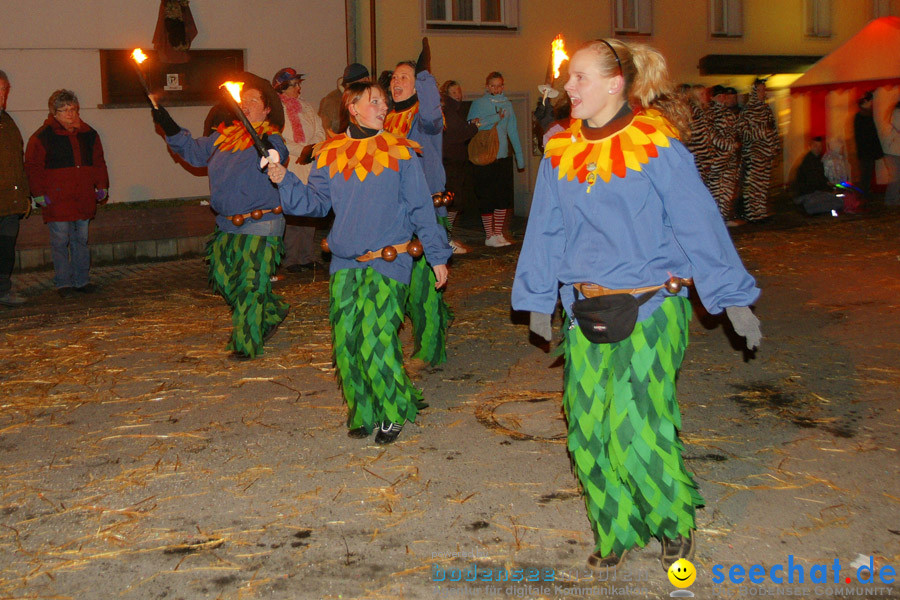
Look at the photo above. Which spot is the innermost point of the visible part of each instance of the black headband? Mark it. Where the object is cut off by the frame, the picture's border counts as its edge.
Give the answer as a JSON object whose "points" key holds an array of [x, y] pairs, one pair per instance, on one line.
{"points": [[614, 53]]}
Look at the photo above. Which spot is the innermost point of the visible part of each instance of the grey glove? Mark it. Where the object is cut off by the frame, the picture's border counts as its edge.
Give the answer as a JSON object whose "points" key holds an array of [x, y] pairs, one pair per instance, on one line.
{"points": [[745, 324], [539, 323]]}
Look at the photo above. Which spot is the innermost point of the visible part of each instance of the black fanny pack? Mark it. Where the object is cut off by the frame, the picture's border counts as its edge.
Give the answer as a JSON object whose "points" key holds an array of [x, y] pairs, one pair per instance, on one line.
{"points": [[610, 318]]}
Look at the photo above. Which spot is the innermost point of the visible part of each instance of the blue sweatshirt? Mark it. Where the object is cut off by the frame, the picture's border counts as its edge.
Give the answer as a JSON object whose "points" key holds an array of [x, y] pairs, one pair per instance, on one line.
{"points": [[236, 183], [427, 130], [629, 232], [370, 213], [488, 108]]}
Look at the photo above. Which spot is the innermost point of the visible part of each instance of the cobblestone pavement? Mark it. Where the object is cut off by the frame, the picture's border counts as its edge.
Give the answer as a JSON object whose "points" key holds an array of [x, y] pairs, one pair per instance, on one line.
{"points": [[136, 461]]}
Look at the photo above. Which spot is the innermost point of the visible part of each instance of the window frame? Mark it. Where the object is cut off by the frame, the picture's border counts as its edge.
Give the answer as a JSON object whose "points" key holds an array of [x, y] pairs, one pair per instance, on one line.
{"points": [[733, 18], [813, 18], [643, 18], [509, 18]]}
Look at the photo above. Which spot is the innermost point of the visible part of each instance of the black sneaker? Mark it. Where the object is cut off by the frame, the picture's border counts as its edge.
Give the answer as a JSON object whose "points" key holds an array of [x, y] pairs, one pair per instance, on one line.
{"points": [[387, 433], [358, 433], [65, 292], [88, 288]]}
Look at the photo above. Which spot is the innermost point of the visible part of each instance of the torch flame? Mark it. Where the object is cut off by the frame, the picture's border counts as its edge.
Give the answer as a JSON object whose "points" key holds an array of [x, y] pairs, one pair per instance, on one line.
{"points": [[234, 88], [138, 56], [559, 54]]}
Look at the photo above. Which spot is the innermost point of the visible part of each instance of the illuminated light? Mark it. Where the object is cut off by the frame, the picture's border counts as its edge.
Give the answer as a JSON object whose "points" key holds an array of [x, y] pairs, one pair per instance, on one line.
{"points": [[234, 88], [558, 46], [834, 213], [839, 195], [138, 56]]}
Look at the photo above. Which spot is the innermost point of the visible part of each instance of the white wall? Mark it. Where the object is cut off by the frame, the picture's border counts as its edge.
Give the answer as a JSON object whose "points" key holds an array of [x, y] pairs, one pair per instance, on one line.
{"points": [[50, 44]]}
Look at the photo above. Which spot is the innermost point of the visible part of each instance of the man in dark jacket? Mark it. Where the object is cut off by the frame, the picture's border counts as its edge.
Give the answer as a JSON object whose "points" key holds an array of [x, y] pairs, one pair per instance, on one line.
{"points": [[868, 146], [67, 174], [813, 190], [14, 200]]}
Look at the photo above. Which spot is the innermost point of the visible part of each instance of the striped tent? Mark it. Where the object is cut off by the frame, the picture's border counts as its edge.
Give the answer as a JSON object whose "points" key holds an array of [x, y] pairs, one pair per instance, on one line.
{"points": [[823, 101]]}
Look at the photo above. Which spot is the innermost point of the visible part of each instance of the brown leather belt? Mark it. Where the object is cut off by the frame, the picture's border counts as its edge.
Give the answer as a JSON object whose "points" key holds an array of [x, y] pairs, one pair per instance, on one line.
{"points": [[673, 286], [380, 253], [257, 214]]}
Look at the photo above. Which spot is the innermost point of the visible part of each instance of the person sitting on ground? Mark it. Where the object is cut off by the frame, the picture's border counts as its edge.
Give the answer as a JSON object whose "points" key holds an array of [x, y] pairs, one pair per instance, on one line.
{"points": [[813, 190]]}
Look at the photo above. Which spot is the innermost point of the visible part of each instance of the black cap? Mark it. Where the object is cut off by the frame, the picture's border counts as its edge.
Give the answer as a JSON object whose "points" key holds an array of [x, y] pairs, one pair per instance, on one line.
{"points": [[354, 72], [718, 89]]}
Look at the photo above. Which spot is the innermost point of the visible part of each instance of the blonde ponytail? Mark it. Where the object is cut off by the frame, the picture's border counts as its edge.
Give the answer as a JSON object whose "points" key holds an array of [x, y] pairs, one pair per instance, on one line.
{"points": [[651, 88], [646, 77]]}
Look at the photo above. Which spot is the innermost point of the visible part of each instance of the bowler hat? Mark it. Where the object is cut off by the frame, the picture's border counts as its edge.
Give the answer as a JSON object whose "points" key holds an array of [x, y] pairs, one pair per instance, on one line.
{"points": [[354, 72]]}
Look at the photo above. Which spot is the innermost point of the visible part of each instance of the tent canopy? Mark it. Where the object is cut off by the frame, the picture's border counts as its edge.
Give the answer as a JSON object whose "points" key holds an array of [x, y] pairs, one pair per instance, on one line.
{"points": [[872, 55]]}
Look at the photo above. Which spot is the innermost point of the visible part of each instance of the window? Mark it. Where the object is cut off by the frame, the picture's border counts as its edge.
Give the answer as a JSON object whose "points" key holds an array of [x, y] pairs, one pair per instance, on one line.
{"points": [[492, 15], [881, 8], [818, 18], [633, 17], [726, 18]]}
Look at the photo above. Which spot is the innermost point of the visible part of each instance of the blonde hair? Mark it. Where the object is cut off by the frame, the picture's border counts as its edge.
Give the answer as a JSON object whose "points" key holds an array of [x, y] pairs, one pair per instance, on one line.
{"points": [[646, 76]]}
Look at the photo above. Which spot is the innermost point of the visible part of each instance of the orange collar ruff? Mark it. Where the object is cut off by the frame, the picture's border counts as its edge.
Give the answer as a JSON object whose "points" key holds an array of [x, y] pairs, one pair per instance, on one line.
{"points": [[631, 146], [399, 123], [235, 138], [346, 155]]}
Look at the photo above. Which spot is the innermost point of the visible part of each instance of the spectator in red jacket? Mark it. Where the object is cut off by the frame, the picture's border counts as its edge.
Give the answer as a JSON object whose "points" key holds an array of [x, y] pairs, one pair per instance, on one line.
{"points": [[68, 178]]}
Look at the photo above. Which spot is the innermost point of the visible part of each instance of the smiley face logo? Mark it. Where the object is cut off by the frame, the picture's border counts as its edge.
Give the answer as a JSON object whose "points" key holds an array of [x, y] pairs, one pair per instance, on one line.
{"points": [[682, 573]]}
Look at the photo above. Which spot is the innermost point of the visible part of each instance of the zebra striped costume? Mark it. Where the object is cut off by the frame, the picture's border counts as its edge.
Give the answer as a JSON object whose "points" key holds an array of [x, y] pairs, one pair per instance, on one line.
{"points": [[725, 162], [760, 144], [699, 142]]}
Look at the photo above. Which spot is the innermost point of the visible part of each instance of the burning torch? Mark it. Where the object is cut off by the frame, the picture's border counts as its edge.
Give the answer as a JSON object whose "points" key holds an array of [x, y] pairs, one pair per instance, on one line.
{"points": [[233, 95], [557, 56], [139, 57]]}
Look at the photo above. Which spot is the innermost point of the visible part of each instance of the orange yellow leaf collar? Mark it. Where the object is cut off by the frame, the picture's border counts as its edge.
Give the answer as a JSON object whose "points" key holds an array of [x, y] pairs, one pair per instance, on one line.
{"points": [[234, 137], [577, 157], [347, 156]]}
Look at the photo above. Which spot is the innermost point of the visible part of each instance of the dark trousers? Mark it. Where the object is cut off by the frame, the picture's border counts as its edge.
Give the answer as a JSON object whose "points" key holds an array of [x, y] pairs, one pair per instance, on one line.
{"points": [[866, 175], [459, 181], [494, 185], [9, 230]]}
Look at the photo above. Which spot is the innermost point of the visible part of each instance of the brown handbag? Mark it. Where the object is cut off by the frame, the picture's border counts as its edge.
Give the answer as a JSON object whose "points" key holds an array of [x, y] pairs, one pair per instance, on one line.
{"points": [[483, 148]]}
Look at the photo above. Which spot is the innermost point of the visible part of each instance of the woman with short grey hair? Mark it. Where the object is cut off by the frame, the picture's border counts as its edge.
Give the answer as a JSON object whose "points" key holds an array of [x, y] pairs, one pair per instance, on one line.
{"points": [[67, 173]]}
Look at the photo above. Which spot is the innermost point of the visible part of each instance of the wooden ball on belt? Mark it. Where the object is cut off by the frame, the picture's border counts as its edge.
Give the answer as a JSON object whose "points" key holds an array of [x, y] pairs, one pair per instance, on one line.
{"points": [[324, 245], [237, 220], [389, 253], [437, 200], [256, 214], [277, 210], [447, 199], [673, 285], [415, 248]]}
